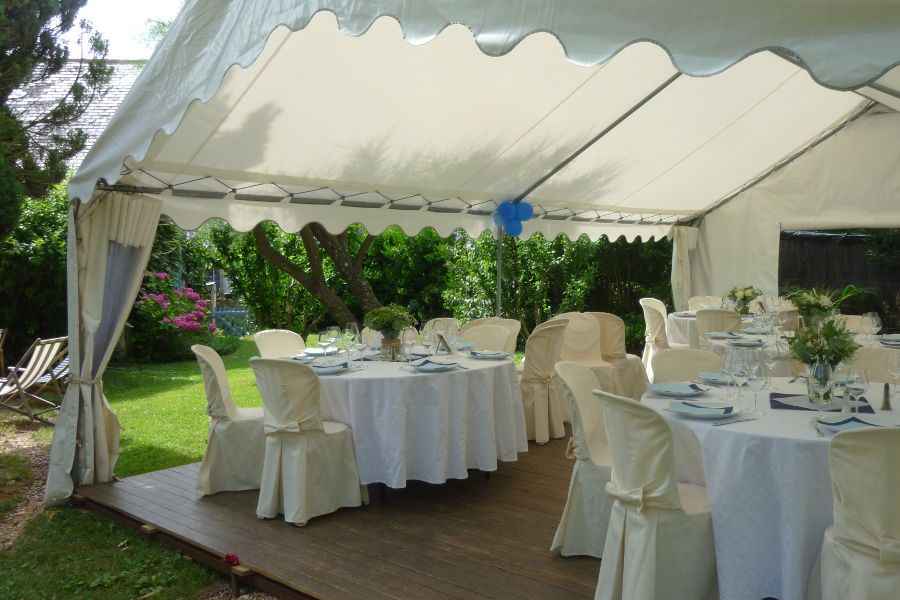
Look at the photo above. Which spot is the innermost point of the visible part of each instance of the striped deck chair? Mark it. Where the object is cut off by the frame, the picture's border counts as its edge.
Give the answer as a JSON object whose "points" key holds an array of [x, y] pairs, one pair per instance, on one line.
{"points": [[56, 378], [37, 362]]}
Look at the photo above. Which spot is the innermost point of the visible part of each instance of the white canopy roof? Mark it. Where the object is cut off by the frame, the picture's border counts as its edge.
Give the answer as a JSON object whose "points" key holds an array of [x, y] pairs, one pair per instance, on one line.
{"points": [[351, 116]]}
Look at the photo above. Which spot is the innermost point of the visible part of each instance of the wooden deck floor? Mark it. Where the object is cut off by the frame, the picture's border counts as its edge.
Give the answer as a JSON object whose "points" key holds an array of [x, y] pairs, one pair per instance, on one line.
{"points": [[473, 538]]}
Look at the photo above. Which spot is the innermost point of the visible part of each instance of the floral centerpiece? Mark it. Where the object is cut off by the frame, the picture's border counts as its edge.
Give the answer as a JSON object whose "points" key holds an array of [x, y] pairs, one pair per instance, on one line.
{"points": [[742, 297], [389, 321], [815, 306], [826, 340]]}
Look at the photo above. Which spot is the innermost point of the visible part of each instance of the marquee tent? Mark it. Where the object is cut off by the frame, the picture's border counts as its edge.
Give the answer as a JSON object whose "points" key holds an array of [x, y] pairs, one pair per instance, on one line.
{"points": [[613, 118]]}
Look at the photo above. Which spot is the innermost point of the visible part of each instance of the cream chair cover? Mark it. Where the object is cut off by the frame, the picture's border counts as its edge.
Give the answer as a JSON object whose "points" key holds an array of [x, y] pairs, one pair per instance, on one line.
{"points": [[439, 324], [582, 528], [852, 322], [370, 337], [487, 337], [656, 336], [683, 364], [278, 343], [716, 320], [542, 396], [697, 302], [659, 545], [873, 360], [310, 468], [236, 442], [631, 376], [581, 344], [512, 327], [861, 552]]}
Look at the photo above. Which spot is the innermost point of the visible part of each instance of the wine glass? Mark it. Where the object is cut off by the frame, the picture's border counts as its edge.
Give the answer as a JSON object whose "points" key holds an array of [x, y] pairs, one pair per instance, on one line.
{"points": [[875, 318], [429, 339], [856, 386], [893, 368], [409, 336], [769, 357], [821, 380], [736, 369], [322, 342], [353, 328], [755, 381]]}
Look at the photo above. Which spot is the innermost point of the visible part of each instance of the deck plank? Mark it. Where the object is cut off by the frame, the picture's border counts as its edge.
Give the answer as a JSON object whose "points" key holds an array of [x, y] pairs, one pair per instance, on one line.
{"points": [[468, 539]]}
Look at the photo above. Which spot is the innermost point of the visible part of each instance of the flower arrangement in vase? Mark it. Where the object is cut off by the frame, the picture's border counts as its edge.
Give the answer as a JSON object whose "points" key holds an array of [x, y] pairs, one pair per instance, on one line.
{"points": [[389, 321], [826, 340], [742, 297], [814, 306]]}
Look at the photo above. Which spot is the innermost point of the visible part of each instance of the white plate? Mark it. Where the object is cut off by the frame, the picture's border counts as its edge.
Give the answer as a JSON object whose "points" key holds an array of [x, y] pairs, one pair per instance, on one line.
{"points": [[330, 370], [314, 351], [893, 338], [746, 343], [489, 355], [303, 358], [707, 410], [833, 425], [723, 335], [676, 390], [714, 377], [430, 365]]}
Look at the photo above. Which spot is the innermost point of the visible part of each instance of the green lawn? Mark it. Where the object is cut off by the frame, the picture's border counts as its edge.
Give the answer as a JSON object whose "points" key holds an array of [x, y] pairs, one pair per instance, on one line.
{"points": [[71, 553]]}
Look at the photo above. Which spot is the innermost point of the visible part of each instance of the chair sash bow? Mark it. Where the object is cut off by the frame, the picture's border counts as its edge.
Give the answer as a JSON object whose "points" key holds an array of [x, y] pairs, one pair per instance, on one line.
{"points": [[633, 497]]}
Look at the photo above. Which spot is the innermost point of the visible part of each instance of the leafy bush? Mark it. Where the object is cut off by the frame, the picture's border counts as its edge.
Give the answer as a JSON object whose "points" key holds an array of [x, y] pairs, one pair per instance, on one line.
{"points": [[166, 321], [389, 320]]}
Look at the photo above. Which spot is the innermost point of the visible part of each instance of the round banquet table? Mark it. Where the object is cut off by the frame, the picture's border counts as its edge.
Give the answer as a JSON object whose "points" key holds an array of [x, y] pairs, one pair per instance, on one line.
{"points": [[428, 426], [770, 491]]}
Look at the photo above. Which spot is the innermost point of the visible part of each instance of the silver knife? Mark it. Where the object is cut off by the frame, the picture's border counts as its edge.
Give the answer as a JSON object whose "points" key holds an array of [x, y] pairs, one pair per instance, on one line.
{"points": [[730, 421]]}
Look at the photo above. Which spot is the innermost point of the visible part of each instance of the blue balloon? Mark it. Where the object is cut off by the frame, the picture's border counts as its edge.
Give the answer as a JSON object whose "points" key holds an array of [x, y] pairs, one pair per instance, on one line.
{"points": [[506, 210], [498, 219], [524, 211], [513, 227]]}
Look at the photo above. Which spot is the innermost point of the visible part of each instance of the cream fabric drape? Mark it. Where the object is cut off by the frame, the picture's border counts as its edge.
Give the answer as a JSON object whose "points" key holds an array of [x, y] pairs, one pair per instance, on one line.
{"points": [[512, 329], [278, 343], [109, 242], [487, 337], [659, 545], [712, 320], [581, 344], [683, 364], [861, 553], [310, 467], [684, 239], [585, 518], [631, 376], [235, 440], [541, 395]]}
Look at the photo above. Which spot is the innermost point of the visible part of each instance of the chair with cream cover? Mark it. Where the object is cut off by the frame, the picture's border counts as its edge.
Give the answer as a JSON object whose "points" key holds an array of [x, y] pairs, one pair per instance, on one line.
{"points": [[581, 344], [487, 337], [656, 336], [278, 343], [542, 398], [370, 337], [235, 441], [789, 319], [861, 552], [873, 361], [852, 322], [631, 376], [310, 468], [659, 545], [700, 302], [683, 364], [512, 328], [440, 324], [582, 528], [716, 320]]}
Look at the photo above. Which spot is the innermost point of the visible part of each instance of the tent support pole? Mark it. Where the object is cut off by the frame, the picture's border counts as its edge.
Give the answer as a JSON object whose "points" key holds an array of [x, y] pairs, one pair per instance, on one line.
{"points": [[598, 137], [500, 235]]}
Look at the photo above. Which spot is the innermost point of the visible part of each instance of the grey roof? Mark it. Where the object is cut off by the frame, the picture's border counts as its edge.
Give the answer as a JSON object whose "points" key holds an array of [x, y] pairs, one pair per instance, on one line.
{"points": [[35, 99]]}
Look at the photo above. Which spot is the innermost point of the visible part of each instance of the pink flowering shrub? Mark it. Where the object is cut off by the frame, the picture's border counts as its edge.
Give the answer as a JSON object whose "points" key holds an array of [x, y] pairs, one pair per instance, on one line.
{"points": [[166, 321]]}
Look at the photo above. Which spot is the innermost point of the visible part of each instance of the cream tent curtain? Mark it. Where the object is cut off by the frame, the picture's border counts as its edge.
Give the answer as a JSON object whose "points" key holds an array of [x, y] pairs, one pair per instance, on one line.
{"points": [[109, 244], [684, 240]]}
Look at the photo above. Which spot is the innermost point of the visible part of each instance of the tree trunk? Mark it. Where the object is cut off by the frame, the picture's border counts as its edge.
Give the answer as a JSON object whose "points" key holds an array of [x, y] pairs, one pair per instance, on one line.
{"points": [[349, 266], [314, 280]]}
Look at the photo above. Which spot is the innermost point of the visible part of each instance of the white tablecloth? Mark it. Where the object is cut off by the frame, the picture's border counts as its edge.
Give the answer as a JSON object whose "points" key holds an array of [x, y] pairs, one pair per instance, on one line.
{"points": [[770, 490], [428, 427], [683, 330]]}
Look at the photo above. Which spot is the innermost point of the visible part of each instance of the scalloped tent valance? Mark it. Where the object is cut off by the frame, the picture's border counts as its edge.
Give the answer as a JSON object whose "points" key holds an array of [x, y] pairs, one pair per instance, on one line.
{"points": [[428, 112]]}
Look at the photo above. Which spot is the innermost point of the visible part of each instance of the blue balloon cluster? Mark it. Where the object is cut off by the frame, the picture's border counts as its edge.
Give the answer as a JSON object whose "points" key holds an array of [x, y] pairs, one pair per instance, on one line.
{"points": [[510, 216]]}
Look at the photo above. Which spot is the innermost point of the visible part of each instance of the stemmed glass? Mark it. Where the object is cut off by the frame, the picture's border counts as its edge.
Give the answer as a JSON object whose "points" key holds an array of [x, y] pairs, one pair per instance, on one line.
{"points": [[821, 380], [856, 386], [322, 342], [429, 340], [736, 368], [893, 368], [333, 336], [409, 337], [875, 318], [769, 358], [755, 381]]}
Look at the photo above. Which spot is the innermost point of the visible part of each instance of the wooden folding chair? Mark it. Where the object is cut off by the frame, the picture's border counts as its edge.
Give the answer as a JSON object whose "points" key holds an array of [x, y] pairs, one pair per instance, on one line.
{"points": [[56, 378], [36, 363]]}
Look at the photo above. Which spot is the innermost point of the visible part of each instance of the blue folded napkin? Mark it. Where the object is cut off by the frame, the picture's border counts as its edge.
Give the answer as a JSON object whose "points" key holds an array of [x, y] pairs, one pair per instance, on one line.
{"points": [[776, 404], [320, 367], [724, 410], [489, 354], [832, 427]]}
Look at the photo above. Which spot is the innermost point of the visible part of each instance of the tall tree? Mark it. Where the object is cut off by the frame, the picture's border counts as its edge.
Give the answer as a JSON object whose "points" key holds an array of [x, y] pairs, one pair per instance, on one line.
{"points": [[38, 137]]}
